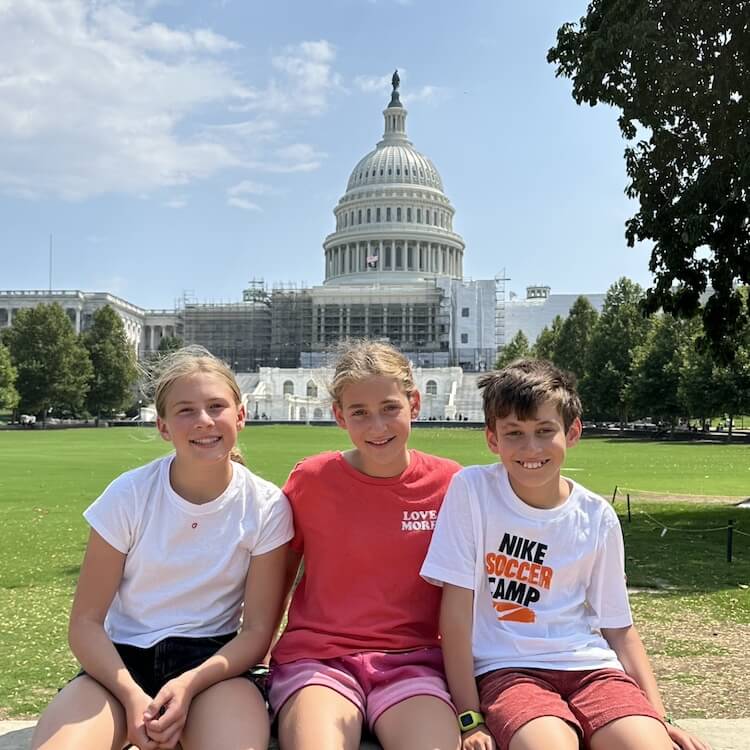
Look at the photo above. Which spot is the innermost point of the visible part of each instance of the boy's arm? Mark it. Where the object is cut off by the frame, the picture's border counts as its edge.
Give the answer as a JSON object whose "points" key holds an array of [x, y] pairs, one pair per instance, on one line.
{"points": [[628, 646], [456, 616]]}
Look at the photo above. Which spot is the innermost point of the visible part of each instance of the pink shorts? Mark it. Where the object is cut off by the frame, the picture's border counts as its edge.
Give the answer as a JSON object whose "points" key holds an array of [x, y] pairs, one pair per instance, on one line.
{"points": [[586, 699], [373, 681]]}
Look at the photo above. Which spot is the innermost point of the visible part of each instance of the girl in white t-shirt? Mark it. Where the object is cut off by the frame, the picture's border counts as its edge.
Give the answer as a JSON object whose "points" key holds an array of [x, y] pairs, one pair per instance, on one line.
{"points": [[181, 552]]}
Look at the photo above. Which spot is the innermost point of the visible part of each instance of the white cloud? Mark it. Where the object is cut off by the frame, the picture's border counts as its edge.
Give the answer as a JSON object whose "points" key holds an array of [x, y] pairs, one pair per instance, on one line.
{"points": [[371, 84], [308, 79], [298, 157], [176, 203], [96, 98], [246, 205], [248, 187]]}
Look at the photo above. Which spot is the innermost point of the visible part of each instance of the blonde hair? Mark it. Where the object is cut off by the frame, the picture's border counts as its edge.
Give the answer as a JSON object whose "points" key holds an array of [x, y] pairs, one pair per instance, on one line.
{"points": [[362, 359], [184, 362]]}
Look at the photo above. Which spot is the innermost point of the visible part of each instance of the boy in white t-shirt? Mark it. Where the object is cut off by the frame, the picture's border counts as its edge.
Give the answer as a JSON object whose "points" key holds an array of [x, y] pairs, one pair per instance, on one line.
{"points": [[538, 640]]}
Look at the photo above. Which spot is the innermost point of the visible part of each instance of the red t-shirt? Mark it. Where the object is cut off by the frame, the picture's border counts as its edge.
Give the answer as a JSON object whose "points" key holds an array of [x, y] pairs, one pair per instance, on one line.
{"points": [[363, 540]]}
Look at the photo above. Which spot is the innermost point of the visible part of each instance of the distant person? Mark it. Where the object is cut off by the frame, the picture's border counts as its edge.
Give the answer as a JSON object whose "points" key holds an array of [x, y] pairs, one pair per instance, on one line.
{"points": [[175, 548], [361, 644], [532, 570]]}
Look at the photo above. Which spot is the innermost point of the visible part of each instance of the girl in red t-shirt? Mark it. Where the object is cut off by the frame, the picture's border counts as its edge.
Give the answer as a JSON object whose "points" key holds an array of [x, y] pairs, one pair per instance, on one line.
{"points": [[361, 643]]}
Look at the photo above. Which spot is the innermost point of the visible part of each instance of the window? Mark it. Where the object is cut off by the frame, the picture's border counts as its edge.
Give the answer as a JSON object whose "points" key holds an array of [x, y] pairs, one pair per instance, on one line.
{"points": [[345, 218], [398, 214], [368, 215], [312, 389], [427, 216], [288, 388], [408, 214], [359, 216], [464, 312], [464, 338], [419, 216], [377, 214], [381, 171], [399, 257], [388, 256], [388, 214], [430, 388], [389, 170], [398, 170]]}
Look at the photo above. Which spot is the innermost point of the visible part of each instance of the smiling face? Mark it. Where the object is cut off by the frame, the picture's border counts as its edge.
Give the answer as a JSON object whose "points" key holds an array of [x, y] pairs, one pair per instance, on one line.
{"points": [[532, 451], [377, 414], [201, 418]]}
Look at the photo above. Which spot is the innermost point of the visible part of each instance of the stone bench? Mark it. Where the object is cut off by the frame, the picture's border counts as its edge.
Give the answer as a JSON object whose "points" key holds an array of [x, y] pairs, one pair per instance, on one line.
{"points": [[16, 735]]}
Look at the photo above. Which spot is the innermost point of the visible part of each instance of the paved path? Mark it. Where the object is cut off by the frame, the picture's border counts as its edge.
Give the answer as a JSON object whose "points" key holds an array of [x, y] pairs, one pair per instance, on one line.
{"points": [[723, 734]]}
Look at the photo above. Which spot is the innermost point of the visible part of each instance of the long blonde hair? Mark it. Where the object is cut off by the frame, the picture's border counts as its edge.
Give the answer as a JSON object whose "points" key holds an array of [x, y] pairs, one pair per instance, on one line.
{"points": [[361, 359], [190, 360]]}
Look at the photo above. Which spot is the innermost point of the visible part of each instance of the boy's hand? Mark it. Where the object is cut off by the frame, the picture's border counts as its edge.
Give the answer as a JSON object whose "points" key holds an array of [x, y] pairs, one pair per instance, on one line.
{"points": [[166, 715], [478, 739], [685, 741]]}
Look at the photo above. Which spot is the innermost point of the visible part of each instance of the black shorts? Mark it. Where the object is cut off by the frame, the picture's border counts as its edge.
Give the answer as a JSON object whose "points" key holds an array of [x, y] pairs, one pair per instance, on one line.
{"points": [[153, 667]]}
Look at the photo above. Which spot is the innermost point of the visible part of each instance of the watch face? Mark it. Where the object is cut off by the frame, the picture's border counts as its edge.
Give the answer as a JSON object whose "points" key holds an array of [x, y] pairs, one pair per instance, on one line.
{"points": [[466, 720]]}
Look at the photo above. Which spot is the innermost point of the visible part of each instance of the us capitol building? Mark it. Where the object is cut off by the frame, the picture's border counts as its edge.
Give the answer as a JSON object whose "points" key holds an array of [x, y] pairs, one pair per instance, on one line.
{"points": [[393, 271]]}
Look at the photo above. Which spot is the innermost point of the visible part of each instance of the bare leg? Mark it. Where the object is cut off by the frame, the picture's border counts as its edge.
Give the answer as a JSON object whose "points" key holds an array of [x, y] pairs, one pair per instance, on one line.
{"points": [[546, 731], [422, 722], [318, 718], [83, 716], [632, 733], [230, 715]]}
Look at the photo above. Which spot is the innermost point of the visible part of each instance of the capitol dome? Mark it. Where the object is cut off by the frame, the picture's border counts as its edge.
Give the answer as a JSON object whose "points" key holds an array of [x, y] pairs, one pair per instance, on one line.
{"points": [[394, 223]]}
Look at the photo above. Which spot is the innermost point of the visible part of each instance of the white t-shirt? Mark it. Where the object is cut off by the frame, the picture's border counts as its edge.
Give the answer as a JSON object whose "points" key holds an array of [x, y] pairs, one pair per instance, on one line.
{"points": [[544, 581], [186, 564]]}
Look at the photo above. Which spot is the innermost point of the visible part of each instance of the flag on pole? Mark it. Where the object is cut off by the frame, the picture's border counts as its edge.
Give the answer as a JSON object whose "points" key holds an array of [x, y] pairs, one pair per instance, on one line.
{"points": [[372, 261]]}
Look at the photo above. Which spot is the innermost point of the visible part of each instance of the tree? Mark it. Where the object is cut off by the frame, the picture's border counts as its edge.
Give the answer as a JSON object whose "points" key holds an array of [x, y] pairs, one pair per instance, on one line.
{"points": [[619, 329], [170, 344], [8, 374], [516, 348], [654, 387], [113, 361], [679, 73], [574, 337], [53, 366], [544, 346]]}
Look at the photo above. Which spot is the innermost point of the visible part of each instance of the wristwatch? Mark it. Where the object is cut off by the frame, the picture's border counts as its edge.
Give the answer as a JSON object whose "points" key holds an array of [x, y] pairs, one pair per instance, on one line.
{"points": [[468, 720]]}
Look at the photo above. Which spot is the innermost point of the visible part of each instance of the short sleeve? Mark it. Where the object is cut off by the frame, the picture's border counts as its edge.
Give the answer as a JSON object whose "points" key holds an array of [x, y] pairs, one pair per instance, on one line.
{"points": [[111, 515], [451, 557], [607, 594], [276, 523], [291, 490]]}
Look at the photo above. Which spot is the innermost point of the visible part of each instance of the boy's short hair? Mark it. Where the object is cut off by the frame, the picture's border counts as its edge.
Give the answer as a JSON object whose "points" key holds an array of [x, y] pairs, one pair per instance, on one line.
{"points": [[523, 386]]}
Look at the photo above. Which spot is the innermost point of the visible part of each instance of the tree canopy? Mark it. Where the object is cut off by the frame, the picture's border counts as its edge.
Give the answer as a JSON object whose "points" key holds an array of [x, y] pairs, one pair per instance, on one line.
{"points": [[679, 72], [53, 366], [8, 374], [516, 348], [113, 362]]}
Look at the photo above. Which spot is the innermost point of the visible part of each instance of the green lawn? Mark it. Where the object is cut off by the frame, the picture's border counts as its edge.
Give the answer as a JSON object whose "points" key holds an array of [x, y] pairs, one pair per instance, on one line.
{"points": [[48, 478]]}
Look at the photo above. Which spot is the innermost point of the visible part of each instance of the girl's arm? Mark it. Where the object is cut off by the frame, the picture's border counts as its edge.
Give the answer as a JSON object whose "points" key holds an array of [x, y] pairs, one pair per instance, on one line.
{"points": [[456, 617], [101, 573], [628, 646], [264, 596]]}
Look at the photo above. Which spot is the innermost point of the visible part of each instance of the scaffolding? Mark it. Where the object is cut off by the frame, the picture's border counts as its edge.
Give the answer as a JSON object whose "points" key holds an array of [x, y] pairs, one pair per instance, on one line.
{"points": [[500, 279]]}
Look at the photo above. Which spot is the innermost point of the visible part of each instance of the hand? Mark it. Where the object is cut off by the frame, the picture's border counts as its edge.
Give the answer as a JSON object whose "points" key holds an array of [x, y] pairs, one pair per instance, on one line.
{"points": [[134, 708], [682, 739], [166, 714], [478, 739]]}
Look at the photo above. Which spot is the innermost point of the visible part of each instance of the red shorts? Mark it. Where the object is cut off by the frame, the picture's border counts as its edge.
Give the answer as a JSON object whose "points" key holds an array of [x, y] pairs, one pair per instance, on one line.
{"points": [[585, 699]]}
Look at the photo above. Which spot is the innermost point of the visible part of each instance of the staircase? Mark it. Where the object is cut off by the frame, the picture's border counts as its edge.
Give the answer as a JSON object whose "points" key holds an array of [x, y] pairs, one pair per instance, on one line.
{"points": [[468, 399]]}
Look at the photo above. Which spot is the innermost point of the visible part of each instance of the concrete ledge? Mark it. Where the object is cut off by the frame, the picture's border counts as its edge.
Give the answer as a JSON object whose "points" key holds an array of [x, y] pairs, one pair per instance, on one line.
{"points": [[722, 734], [16, 735]]}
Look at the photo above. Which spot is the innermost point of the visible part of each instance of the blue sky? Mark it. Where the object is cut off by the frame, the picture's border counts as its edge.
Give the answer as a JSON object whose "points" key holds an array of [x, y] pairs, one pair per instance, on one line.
{"points": [[174, 147]]}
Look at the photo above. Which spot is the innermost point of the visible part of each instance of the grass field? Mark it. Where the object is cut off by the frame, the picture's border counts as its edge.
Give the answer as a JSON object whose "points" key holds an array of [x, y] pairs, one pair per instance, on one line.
{"points": [[48, 478]]}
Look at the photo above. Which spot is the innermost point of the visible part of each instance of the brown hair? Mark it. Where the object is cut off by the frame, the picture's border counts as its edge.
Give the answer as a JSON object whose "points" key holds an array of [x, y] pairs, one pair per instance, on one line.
{"points": [[523, 386], [190, 360], [362, 359]]}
